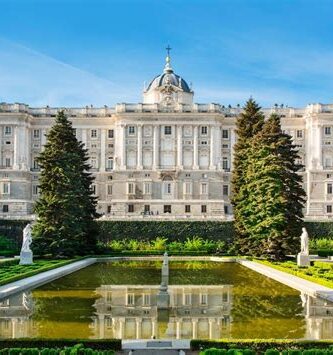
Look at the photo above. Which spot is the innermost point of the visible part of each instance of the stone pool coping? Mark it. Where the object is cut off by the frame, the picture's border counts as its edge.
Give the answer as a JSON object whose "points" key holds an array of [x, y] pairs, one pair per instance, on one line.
{"points": [[311, 288]]}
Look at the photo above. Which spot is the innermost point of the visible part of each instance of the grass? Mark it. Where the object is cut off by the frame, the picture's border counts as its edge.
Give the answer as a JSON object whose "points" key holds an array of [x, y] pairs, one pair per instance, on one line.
{"points": [[320, 272], [11, 271]]}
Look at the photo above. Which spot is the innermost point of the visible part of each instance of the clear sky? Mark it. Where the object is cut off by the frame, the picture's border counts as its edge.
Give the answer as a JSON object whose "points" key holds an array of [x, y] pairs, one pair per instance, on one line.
{"points": [[80, 52]]}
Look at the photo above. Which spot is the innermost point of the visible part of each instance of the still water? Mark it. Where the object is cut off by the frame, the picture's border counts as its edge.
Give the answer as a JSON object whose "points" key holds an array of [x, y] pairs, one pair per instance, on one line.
{"points": [[206, 300]]}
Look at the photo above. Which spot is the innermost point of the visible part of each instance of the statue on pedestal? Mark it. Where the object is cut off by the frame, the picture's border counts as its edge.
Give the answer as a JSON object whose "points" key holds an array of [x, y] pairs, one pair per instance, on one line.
{"points": [[26, 253], [303, 258]]}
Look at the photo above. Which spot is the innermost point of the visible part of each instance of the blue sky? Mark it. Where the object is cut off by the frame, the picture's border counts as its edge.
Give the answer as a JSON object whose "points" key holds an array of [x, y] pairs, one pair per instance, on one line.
{"points": [[79, 52]]}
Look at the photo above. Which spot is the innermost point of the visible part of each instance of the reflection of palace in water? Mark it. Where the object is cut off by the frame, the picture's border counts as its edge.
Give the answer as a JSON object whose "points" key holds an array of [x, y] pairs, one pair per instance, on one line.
{"points": [[15, 316], [132, 312]]}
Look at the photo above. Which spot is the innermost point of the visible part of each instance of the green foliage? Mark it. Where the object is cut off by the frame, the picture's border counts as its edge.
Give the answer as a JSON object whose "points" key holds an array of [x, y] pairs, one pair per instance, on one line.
{"points": [[321, 243], [66, 207], [11, 271], [319, 272], [272, 194], [248, 123], [161, 244], [75, 350]]}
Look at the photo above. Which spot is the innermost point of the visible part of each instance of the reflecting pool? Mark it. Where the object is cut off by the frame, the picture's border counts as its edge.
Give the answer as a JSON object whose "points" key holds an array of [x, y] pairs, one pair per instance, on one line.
{"points": [[124, 299]]}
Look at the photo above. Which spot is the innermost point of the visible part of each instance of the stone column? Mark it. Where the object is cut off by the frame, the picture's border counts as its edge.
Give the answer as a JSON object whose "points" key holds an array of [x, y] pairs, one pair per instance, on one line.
{"points": [[139, 148], [121, 327], [212, 148], [123, 147], [103, 142], [210, 328], [138, 328], [153, 328], [84, 137], [43, 137], [194, 328], [156, 144], [178, 329], [101, 323], [16, 148], [195, 148], [180, 147], [232, 143]]}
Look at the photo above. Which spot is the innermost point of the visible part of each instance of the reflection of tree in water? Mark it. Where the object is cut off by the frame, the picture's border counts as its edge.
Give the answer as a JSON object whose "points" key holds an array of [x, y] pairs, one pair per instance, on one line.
{"points": [[266, 307]]}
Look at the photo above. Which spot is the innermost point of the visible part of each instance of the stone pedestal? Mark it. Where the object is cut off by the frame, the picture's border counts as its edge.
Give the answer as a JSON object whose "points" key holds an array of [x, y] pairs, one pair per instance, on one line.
{"points": [[163, 297], [26, 258], [303, 259]]}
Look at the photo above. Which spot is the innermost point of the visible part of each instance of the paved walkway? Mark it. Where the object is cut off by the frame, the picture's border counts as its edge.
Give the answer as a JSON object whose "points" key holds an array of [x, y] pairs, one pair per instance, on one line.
{"points": [[44, 277], [310, 288]]}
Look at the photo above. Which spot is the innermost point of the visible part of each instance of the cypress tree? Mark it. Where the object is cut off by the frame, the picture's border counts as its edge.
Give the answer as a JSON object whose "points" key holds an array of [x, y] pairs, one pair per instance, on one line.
{"points": [[275, 197], [248, 123], [66, 207]]}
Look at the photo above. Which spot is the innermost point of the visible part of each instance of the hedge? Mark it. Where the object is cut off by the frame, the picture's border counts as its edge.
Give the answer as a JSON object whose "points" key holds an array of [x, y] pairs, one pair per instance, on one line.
{"points": [[172, 230], [96, 344], [315, 351], [261, 345]]}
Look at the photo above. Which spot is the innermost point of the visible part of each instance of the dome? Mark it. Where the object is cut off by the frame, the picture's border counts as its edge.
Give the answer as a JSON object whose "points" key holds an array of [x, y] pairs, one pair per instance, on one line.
{"points": [[168, 77]]}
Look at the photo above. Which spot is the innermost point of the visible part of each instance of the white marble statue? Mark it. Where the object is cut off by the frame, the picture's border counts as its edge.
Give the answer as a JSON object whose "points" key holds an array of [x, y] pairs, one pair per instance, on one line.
{"points": [[304, 242], [27, 238]]}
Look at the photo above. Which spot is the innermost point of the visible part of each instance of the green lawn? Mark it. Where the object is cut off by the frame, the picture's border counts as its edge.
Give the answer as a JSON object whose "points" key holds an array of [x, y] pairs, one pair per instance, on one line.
{"points": [[11, 271], [320, 272]]}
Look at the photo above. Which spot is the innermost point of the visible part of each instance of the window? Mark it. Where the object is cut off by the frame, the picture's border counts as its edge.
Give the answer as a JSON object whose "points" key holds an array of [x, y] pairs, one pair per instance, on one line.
{"points": [[109, 190], [35, 190], [93, 133], [74, 131], [146, 299], [167, 188], [167, 208], [130, 208], [299, 133], [225, 163], [8, 131], [147, 187], [36, 133], [225, 146], [110, 133], [328, 131], [109, 209], [93, 163], [226, 209], [130, 299], [330, 188], [93, 189], [167, 130], [225, 133], [225, 297], [225, 190], [5, 208], [6, 188], [204, 130], [203, 209], [131, 130], [8, 162], [35, 164], [328, 162], [329, 208], [204, 142], [130, 188], [204, 188], [188, 188], [109, 163], [187, 299], [147, 208], [204, 298], [187, 208]]}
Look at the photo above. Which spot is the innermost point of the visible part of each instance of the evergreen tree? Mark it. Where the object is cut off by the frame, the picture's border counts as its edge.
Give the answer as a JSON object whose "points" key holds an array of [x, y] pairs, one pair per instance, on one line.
{"points": [[273, 208], [248, 123], [66, 208]]}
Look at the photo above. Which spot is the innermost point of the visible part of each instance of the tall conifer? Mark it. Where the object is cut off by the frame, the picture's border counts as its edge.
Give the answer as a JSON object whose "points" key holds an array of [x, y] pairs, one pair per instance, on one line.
{"points": [[66, 208], [248, 123], [275, 197]]}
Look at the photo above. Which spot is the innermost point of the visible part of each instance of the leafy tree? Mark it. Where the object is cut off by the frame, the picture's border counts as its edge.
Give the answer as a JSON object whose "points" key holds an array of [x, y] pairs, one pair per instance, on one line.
{"points": [[66, 208], [248, 123], [272, 209]]}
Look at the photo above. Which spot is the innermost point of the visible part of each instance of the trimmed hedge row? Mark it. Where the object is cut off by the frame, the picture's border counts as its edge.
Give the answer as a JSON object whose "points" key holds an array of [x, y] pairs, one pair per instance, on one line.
{"points": [[98, 344], [261, 345], [172, 230], [215, 351]]}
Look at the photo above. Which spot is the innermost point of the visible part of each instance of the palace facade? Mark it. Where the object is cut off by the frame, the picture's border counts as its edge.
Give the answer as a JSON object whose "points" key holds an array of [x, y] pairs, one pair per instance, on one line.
{"points": [[165, 158]]}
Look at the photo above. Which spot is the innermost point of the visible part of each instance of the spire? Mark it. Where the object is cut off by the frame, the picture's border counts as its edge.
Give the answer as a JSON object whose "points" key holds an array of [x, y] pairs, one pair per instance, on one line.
{"points": [[167, 67]]}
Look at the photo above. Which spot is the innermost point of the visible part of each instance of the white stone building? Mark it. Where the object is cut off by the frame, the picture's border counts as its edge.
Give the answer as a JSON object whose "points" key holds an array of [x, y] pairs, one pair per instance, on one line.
{"points": [[164, 158]]}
